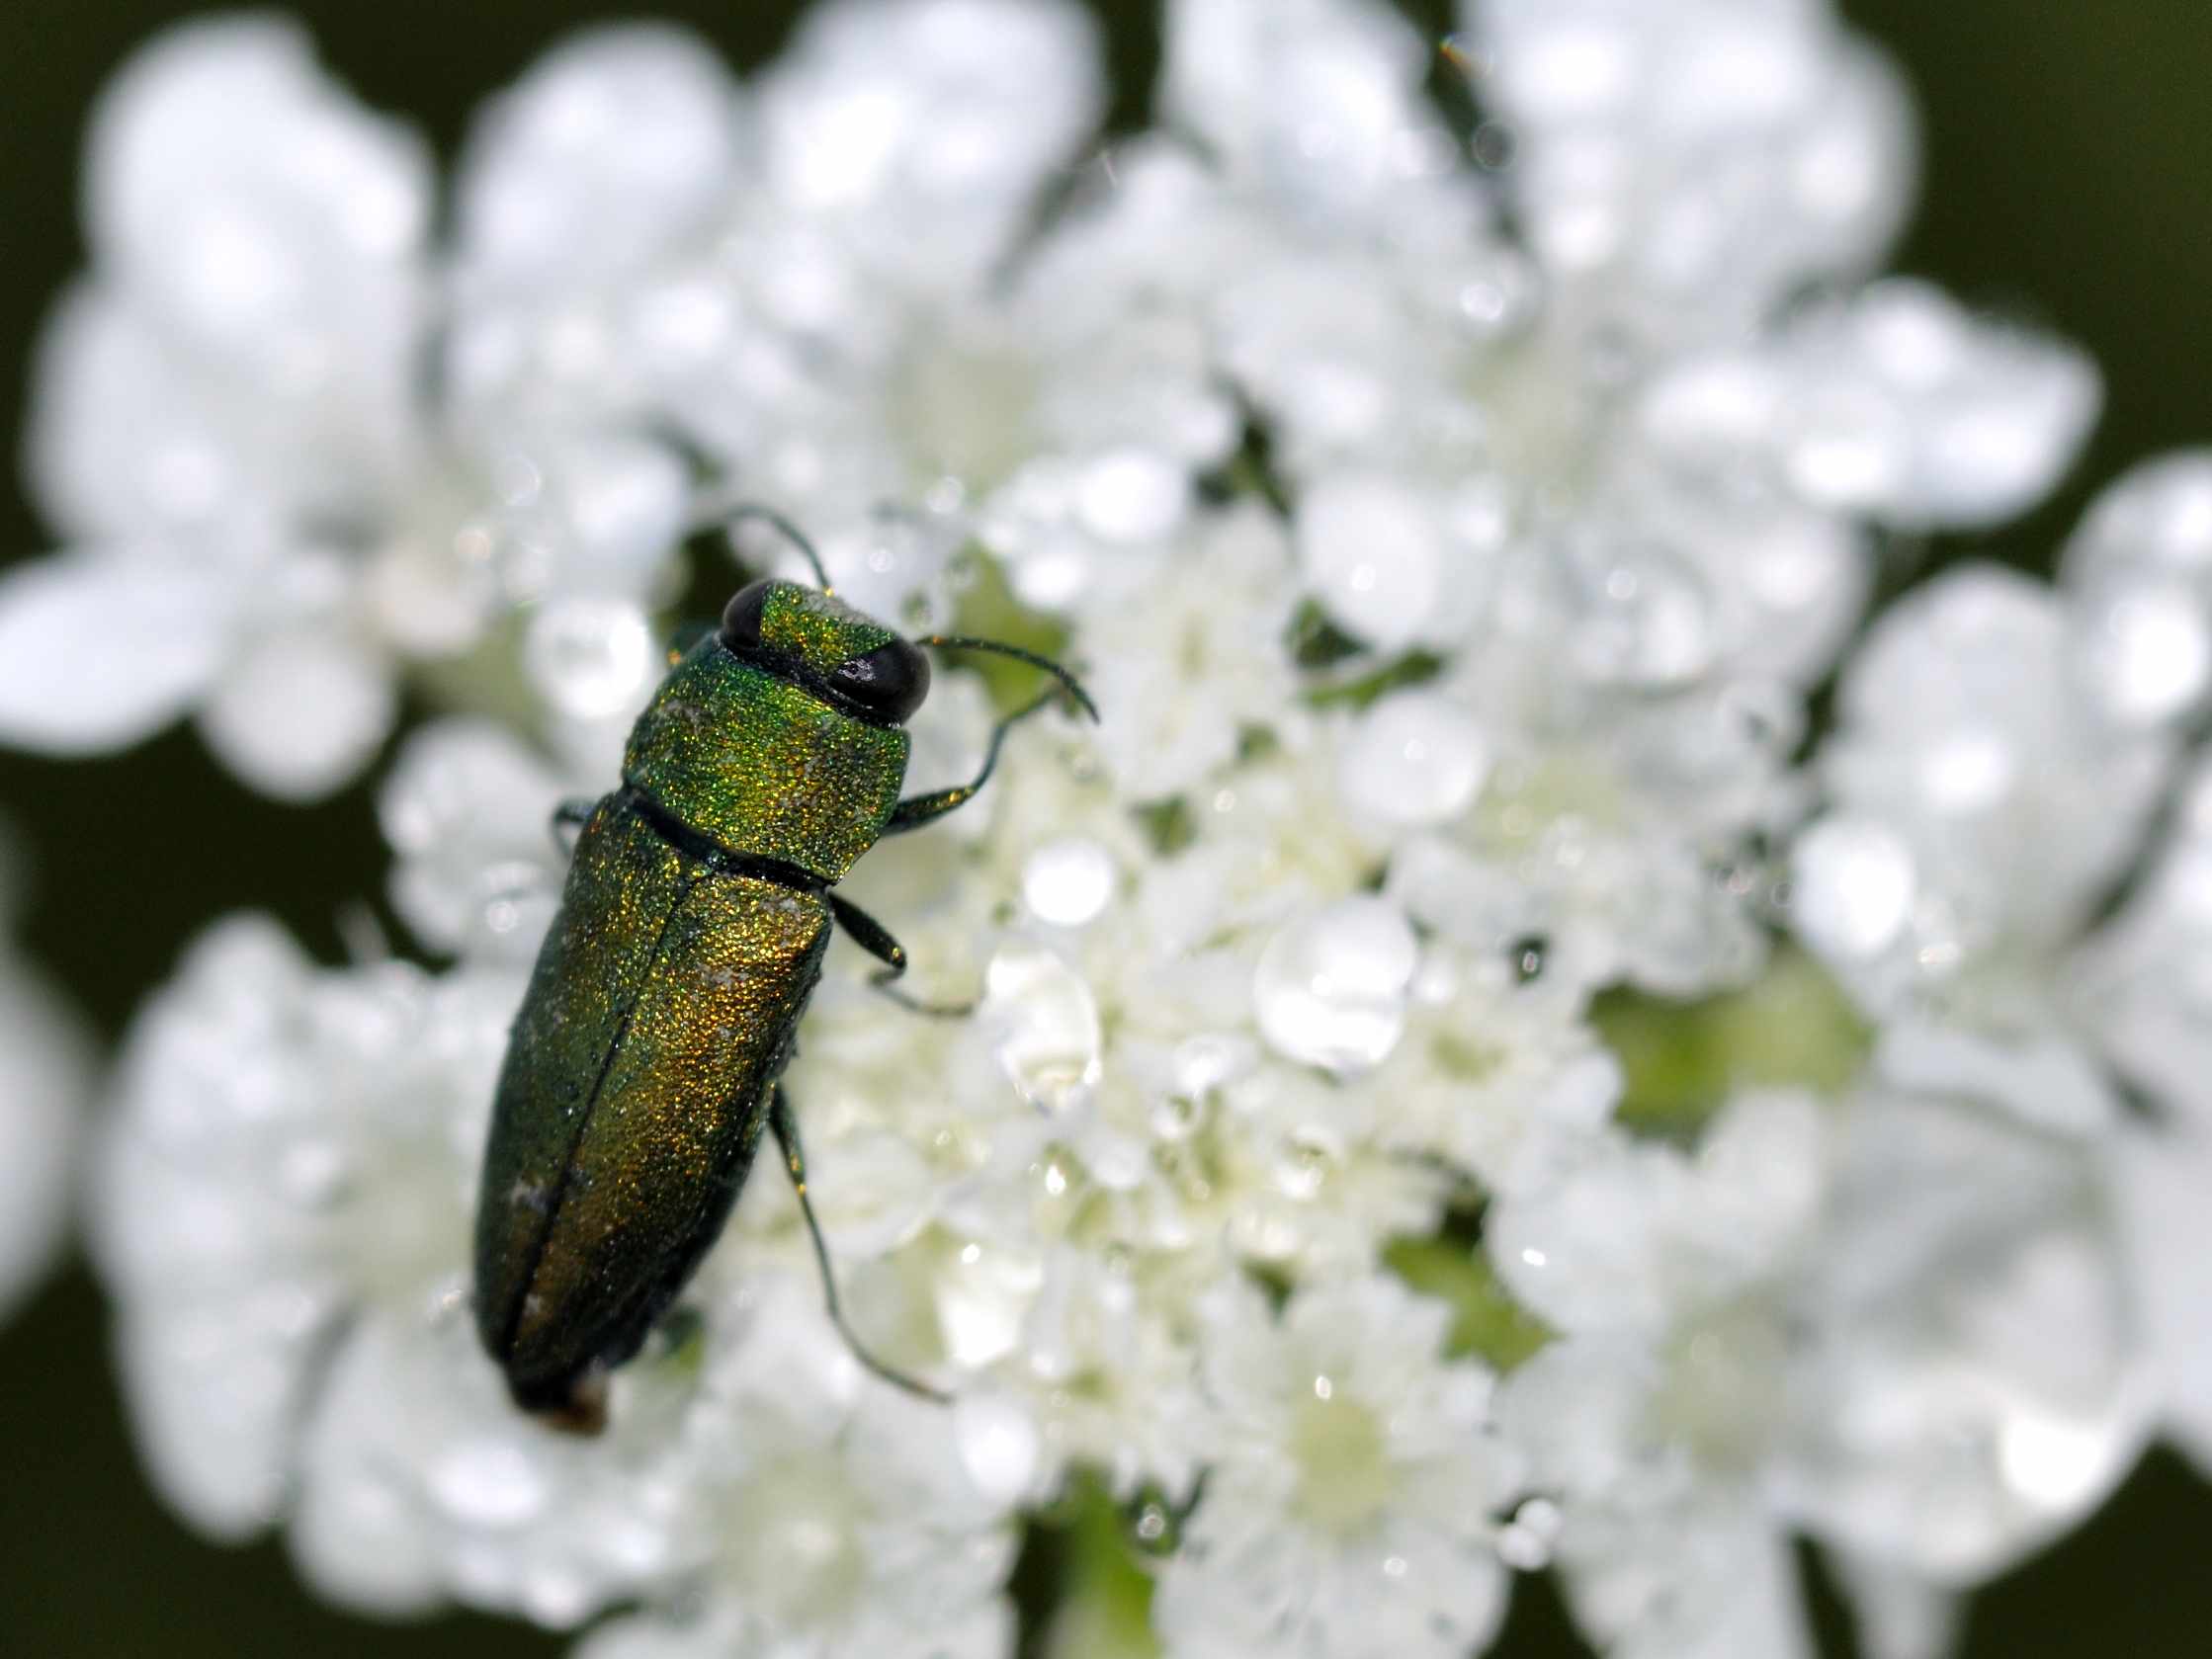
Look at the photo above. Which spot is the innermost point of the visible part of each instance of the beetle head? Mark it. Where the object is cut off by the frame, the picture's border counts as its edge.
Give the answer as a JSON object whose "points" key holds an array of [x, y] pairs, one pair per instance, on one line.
{"points": [[803, 634]]}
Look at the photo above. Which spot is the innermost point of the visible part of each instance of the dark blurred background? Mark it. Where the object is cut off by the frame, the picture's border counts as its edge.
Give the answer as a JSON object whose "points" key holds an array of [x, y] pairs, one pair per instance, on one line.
{"points": [[2068, 162]]}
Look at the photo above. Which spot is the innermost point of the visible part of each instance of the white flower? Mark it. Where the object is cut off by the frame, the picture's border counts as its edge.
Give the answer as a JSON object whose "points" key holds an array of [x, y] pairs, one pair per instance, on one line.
{"points": [[233, 426], [215, 406], [1348, 1507], [290, 1168], [1979, 804], [1691, 162], [1851, 1325], [1192, 656], [812, 286], [1971, 1377], [1496, 1071], [826, 1514]]}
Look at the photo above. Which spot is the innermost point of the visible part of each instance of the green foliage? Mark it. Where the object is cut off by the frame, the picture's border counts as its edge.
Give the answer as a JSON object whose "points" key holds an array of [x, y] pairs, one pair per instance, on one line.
{"points": [[1682, 1060], [1105, 1606], [1487, 1322]]}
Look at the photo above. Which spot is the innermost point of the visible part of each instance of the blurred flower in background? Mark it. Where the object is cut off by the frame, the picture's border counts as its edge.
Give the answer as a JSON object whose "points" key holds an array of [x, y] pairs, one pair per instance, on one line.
{"points": [[1477, 1067], [46, 1085]]}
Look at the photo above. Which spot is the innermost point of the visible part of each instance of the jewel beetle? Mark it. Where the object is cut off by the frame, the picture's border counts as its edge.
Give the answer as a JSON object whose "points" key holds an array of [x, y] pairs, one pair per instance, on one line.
{"points": [[645, 1062]]}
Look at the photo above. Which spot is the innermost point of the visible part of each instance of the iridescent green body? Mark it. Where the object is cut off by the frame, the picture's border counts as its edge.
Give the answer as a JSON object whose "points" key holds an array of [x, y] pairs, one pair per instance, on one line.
{"points": [[760, 766], [639, 1073]]}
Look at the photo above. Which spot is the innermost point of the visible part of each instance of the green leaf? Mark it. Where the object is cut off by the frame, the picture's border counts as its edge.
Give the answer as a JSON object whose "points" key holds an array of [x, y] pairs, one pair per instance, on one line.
{"points": [[1106, 1610], [1487, 1321], [1682, 1060]]}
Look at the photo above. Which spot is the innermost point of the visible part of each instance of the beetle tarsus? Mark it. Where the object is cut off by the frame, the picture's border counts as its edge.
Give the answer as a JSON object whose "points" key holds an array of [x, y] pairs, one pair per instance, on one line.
{"points": [[582, 1412], [786, 1125], [882, 982]]}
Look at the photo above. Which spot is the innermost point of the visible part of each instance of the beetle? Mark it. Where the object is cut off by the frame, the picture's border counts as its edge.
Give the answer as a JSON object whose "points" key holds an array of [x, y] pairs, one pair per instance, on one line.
{"points": [[647, 1059]]}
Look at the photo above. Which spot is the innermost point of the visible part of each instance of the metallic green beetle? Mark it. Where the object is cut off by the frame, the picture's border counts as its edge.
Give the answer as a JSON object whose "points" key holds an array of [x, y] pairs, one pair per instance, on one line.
{"points": [[644, 1062]]}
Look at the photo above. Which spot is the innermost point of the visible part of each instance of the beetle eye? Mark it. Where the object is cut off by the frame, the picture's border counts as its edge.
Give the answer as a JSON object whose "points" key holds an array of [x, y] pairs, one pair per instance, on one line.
{"points": [[889, 682], [740, 617]]}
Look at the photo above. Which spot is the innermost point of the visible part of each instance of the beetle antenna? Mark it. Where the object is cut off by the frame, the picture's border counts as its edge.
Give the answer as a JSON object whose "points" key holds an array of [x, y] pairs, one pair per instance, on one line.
{"points": [[961, 642], [783, 527]]}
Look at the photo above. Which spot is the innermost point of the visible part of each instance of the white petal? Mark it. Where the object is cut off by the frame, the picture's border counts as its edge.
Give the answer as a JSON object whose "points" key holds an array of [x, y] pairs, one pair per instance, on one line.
{"points": [[121, 442], [615, 145], [301, 714], [215, 1389], [1318, 99], [1906, 408], [923, 128], [97, 652], [1707, 157], [467, 809], [260, 208], [1899, 1614], [2141, 566], [2164, 1180]]}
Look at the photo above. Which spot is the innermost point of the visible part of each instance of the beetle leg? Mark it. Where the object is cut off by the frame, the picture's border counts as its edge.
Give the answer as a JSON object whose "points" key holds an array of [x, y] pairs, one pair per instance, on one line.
{"points": [[875, 938], [570, 815], [786, 1125], [917, 810]]}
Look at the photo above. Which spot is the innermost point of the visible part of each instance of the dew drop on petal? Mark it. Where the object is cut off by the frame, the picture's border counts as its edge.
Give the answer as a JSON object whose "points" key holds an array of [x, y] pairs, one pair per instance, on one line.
{"points": [[1046, 1023], [1330, 989], [591, 657], [1204, 1062], [1067, 881], [1852, 886], [1414, 758], [999, 1444], [2148, 657], [1132, 495], [1373, 555]]}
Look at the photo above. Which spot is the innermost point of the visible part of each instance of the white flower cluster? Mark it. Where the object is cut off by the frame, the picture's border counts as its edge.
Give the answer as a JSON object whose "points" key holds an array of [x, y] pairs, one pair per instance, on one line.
{"points": [[1453, 529]]}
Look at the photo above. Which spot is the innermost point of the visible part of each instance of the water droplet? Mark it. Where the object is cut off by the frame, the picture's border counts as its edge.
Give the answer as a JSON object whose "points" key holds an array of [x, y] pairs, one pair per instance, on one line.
{"points": [[2148, 657], [1046, 1022], [1067, 882], [1414, 758], [1374, 558], [1330, 989], [1204, 1062], [1303, 1166], [1132, 495], [999, 1444], [1853, 885], [1176, 1117]]}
